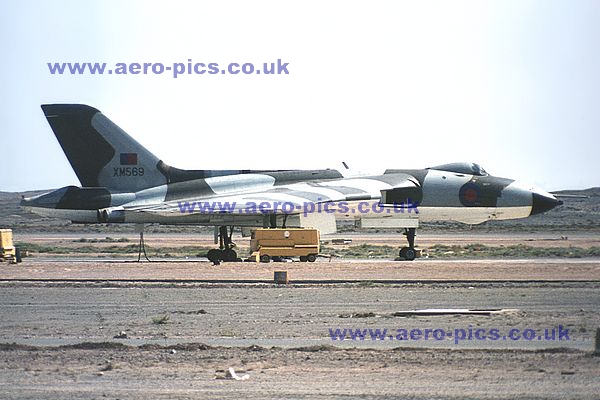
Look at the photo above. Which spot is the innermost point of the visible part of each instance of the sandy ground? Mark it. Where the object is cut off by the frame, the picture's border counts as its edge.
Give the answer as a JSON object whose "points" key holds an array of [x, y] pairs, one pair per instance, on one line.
{"points": [[424, 239], [190, 373], [290, 316], [57, 338], [334, 269], [323, 270], [279, 336]]}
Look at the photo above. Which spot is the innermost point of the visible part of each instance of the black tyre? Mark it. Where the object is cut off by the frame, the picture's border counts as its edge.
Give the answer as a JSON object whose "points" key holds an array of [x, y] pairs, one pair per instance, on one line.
{"points": [[402, 253], [265, 258], [214, 255], [303, 259], [407, 253], [311, 258], [229, 255], [18, 258]]}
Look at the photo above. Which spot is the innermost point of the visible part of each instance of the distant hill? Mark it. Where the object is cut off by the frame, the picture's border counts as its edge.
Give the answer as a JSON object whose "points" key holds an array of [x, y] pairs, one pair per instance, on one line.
{"points": [[576, 214], [595, 191]]}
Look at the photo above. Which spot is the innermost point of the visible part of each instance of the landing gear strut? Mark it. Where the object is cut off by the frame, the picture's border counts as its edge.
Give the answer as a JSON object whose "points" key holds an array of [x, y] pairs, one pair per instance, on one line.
{"points": [[409, 253], [225, 252]]}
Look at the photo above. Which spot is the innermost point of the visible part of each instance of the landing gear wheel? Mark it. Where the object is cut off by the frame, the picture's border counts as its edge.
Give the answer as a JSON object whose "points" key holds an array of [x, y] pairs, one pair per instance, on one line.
{"points": [[402, 253], [311, 258], [265, 258], [229, 255], [303, 259], [214, 255], [407, 253]]}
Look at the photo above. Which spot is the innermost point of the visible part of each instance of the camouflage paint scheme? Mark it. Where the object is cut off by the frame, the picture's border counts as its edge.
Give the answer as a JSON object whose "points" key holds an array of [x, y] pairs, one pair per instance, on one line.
{"points": [[121, 181]]}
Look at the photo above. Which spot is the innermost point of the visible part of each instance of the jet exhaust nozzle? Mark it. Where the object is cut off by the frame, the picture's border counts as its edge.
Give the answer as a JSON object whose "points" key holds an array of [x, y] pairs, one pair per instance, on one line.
{"points": [[111, 215]]}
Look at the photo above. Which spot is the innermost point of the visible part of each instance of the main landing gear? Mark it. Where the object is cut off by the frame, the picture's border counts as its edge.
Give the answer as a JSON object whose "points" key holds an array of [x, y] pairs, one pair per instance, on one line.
{"points": [[225, 252], [409, 253]]}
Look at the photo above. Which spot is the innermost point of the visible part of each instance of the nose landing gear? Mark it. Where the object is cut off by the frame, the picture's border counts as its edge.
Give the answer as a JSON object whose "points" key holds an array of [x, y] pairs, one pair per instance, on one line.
{"points": [[409, 253]]}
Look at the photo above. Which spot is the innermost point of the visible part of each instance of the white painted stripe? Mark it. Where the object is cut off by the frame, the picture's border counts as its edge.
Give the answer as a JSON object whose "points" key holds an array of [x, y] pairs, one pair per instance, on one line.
{"points": [[239, 183], [273, 197], [323, 192], [372, 186]]}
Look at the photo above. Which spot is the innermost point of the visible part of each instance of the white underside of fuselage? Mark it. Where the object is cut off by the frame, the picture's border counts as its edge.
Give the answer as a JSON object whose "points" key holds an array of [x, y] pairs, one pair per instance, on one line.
{"points": [[467, 215], [86, 216], [472, 215]]}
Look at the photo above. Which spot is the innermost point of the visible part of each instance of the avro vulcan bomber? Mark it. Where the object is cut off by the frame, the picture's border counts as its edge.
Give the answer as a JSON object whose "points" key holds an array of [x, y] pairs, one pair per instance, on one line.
{"points": [[123, 182]]}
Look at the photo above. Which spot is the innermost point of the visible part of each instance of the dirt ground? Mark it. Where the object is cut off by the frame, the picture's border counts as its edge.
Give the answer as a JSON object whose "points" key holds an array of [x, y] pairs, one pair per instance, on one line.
{"points": [[186, 322], [346, 270], [91, 266], [187, 372], [180, 339], [424, 239]]}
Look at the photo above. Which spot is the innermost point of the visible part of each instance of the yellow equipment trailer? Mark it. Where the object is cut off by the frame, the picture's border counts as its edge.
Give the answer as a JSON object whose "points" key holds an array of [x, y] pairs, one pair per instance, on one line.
{"points": [[8, 251], [285, 242]]}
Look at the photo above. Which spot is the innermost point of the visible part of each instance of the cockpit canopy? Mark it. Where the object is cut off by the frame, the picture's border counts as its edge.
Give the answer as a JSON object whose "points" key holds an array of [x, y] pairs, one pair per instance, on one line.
{"points": [[462, 168]]}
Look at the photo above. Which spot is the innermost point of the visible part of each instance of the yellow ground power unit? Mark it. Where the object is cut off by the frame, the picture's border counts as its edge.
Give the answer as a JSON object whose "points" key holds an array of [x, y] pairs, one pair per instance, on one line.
{"points": [[266, 243], [8, 252]]}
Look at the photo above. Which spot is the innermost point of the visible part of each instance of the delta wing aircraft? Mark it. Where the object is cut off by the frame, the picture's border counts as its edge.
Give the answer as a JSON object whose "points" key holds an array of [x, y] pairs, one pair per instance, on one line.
{"points": [[122, 182]]}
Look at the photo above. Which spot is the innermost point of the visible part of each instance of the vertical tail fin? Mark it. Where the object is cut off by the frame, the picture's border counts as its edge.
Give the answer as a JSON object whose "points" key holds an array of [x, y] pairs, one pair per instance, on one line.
{"points": [[101, 153]]}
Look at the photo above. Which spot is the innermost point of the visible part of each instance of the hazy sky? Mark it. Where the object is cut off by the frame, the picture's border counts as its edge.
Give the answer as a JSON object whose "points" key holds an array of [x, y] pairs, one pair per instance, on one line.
{"points": [[512, 85]]}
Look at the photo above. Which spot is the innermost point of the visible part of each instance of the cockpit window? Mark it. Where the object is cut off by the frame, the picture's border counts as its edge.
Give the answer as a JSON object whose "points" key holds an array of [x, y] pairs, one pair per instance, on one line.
{"points": [[478, 170], [462, 168]]}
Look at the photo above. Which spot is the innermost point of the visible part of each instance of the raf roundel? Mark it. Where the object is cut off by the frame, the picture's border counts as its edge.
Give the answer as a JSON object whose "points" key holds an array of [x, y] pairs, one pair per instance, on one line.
{"points": [[469, 194]]}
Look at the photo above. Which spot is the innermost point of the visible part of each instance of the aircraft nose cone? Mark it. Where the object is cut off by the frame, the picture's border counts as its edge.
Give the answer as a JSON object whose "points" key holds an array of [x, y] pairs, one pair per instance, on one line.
{"points": [[542, 203]]}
